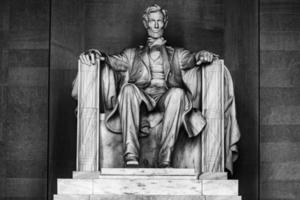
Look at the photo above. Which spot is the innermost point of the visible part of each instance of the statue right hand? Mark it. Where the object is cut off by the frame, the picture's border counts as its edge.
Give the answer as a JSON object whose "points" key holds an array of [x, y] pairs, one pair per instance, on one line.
{"points": [[89, 57]]}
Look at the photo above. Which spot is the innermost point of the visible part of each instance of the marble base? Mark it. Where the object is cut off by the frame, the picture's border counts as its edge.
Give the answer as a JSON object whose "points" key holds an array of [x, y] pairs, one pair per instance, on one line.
{"points": [[147, 183], [144, 197], [147, 186], [147, 172]]}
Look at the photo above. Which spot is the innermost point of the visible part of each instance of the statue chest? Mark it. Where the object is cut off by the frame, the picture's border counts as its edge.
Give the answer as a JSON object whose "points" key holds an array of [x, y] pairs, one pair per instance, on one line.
{"points": [[154, 65]]}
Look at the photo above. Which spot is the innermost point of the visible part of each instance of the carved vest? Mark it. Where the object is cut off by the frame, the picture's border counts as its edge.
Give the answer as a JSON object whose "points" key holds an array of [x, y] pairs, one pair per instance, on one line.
{"points": [[140, 72]]}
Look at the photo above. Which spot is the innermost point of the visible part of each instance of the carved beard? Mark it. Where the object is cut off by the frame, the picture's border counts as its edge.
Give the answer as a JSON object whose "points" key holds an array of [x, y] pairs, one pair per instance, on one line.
{"points": [[155, 34]]}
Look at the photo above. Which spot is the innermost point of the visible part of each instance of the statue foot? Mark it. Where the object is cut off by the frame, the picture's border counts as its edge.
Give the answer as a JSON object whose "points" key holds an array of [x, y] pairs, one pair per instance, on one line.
{"points": [[165, 165], [132, 164]]}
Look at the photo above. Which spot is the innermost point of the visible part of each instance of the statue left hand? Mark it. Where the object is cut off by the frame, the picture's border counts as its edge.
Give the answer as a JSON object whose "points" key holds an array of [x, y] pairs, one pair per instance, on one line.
{"points": [[205, 57]]}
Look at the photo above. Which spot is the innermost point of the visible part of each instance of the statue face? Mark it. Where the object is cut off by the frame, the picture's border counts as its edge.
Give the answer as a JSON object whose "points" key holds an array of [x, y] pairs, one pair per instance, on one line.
{"points": [[155, 25]]}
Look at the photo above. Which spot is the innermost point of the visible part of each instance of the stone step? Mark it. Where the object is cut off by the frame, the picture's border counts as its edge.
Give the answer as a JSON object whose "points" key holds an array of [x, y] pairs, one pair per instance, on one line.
{"points": [[149, 186], [144, 197], [148, 172], [204, 176]]}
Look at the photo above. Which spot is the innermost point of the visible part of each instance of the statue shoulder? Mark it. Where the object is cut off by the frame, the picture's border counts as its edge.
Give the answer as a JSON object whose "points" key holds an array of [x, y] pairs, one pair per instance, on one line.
{"points": [[129, 52], [182, 52], [169, 48], [179, 50]]}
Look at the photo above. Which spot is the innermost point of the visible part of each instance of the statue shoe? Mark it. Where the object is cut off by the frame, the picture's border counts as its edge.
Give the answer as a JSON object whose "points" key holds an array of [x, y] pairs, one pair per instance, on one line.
{"points": [[132, 164], [164, 165]]}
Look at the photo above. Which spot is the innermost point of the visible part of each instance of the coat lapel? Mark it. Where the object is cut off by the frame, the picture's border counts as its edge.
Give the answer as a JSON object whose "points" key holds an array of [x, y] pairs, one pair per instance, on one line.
{"points": [[167, 55], [144, 56]]}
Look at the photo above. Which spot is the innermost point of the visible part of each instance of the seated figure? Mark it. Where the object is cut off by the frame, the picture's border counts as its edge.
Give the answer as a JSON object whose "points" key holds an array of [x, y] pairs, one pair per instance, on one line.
{"points": [[150, 78]]}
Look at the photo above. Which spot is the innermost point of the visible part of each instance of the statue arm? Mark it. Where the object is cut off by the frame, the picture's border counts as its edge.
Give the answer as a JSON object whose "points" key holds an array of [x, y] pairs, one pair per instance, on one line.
{"points": [[120, 62], [187, 59], [190, 60], [117, 63]]}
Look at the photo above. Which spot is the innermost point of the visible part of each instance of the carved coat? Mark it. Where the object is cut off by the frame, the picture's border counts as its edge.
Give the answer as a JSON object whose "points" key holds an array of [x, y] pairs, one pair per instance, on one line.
{"points": [[133, 67]]}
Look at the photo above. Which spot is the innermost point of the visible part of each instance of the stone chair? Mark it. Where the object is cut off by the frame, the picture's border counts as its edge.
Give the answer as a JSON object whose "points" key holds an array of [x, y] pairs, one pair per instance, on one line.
{"points": [[213, 150]]}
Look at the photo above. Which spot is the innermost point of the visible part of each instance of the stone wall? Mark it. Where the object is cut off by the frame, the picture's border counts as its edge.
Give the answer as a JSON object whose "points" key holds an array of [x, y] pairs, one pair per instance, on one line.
{"points": [[280, 99], [24, 64], [242, 58]]}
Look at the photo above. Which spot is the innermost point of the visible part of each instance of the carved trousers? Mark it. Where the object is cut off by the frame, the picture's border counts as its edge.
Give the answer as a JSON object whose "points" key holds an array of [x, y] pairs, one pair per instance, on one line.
{"points": [[172, 103]]}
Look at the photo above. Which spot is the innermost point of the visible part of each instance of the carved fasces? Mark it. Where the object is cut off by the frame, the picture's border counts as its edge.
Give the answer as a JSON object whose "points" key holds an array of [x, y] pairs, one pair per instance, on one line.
{"points": [[212, 140], [88, 122]]}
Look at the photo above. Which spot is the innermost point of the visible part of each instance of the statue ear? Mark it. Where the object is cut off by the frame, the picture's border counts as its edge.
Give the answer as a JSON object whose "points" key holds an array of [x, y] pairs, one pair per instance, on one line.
{"points": [[145, 24]]}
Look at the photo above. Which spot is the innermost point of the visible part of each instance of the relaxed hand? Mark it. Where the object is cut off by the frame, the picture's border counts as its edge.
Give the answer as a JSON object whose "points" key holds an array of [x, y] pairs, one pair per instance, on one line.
{"points": [[89, 57], [204, 57]]}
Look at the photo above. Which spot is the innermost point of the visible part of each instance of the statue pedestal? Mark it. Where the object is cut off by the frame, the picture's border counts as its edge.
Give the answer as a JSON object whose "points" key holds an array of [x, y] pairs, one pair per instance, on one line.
{"points": [[146, 183]]}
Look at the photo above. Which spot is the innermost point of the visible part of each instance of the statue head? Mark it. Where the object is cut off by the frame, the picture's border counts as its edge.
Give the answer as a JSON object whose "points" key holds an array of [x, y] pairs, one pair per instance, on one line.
{"points": [[155, 20]]}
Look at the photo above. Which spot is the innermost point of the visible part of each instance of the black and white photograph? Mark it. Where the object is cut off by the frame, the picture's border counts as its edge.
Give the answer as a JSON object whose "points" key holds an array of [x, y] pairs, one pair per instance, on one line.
{"points": [[150, 99]]}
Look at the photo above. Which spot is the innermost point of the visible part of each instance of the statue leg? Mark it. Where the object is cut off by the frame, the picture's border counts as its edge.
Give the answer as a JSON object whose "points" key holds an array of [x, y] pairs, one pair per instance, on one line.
{"points": [[173, 104], [130, 99]]}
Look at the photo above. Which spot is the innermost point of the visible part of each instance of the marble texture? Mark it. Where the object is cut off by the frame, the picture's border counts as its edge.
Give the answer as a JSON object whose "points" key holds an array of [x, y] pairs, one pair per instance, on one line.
{"points": [[220, 187], [214, 176], [85, 175], [213, 111], [142, 186], [88, 117], [72, 197], [74, 186], [147, 183], [94, 138], [149, 173], [228, 197], [148, 197], [150, 177], [144, 197], [147, 186]]}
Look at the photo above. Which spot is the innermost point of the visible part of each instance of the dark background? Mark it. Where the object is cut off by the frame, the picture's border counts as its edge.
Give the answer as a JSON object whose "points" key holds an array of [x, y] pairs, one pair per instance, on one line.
{"points": [[259, 41]]}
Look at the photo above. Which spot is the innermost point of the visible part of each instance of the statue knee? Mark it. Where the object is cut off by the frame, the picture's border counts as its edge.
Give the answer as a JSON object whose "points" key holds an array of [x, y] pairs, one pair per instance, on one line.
{"points": [[175, 97], [129, 90], [176, 94]]}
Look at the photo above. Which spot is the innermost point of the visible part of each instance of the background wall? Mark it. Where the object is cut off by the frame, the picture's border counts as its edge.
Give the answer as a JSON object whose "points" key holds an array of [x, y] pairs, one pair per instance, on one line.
{"points": [[24, 63], [67, 36], [241, 57], [280, 99]]}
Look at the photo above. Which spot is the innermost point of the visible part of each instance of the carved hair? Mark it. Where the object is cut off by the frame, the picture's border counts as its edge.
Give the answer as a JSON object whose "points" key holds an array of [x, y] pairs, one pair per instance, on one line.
{"points": [[152, 9]]}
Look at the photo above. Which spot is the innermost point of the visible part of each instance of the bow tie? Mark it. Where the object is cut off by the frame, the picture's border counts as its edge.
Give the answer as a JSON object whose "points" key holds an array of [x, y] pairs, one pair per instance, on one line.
{"points": [[156, 42]]}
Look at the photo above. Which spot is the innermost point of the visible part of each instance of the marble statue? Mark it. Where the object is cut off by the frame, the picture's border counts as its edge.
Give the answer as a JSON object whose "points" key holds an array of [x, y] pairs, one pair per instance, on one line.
{"points": [[159, 78]]}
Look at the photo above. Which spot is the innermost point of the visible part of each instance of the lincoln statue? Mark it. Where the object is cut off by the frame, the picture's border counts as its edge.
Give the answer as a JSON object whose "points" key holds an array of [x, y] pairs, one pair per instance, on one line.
{"points": [[150, 78]]}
